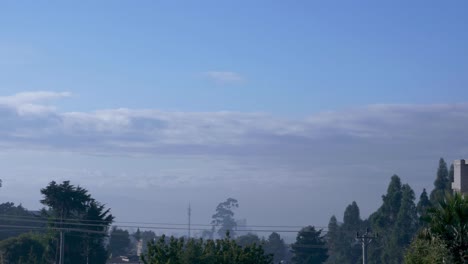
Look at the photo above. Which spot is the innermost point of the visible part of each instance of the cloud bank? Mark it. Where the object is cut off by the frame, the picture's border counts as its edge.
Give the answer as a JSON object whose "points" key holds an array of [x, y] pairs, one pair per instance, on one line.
{"points": [[28, 121]]}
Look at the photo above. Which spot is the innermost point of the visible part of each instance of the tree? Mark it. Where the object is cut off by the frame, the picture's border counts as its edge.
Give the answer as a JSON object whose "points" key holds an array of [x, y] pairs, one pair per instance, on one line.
{"points": [[10, 214], [224, 217], [248, 239], [220, 251], [423, 251], [87, 221], [441, 184], [405, 227], [24, 249], [423, 205], [448, 221], [383, 223], [310, 247], [94, 248], [119, 242], [65, 200], [276, 247], [350, 250]]}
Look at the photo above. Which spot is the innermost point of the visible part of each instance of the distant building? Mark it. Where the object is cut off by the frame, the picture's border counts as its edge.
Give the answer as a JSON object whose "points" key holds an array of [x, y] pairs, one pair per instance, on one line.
{"points": [[460, 177]]}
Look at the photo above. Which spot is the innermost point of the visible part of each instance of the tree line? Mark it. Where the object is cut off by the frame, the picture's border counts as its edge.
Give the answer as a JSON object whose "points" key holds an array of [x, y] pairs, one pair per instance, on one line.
{"points": [[432, 230]]}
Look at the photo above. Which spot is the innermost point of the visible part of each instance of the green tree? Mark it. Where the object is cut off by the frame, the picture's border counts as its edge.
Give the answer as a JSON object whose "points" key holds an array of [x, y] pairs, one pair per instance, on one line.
{"points": [[310, 247], [350, 250], [24, 249], [383, 222], [248, 239], [427, 251], [87, 221], [448, 221], [334, 242], [423, 205], [275, 246], [119, 242], [405, 227], [441, 184], [10, 214], [221, 251], [224, 217]]}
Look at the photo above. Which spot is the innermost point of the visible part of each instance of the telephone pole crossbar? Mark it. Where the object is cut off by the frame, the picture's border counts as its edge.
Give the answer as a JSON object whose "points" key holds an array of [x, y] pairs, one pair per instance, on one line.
{"points": [[365, 240]]}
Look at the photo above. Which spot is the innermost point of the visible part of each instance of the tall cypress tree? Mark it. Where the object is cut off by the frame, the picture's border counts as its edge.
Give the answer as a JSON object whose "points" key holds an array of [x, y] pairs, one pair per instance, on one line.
{"points": [[441, 184], [352, 223], [405, 227], [383, 222], [335, 243], [423, 205]]}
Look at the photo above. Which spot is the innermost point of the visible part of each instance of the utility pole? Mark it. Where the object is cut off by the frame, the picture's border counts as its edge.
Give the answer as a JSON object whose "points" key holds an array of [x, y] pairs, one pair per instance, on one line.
{"points": [[62, 245], [365, 240], [189, 219]]}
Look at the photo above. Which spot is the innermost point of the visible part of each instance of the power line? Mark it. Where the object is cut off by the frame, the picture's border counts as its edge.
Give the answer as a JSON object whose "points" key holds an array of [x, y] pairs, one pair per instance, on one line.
{"points": [[139, 224]]}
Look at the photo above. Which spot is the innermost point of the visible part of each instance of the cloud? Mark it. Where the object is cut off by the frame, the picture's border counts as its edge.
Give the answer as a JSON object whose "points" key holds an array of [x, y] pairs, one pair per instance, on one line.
{"points": [[152, 131], [224, 77], [31, 102]]}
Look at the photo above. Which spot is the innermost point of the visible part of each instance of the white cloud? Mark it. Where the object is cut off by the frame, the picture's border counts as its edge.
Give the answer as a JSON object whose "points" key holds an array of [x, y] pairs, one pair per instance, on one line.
{"points": [[152, 131], [224, 77], [31, 102]]}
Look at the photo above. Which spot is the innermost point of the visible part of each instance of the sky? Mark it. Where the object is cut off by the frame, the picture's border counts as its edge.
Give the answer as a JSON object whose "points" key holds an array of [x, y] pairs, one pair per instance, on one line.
{"points": [[294, 108]]}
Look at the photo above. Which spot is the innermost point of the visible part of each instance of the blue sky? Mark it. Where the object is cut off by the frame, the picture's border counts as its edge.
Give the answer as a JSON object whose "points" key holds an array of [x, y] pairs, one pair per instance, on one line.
{"points": [[165, 103], [293, 58]]}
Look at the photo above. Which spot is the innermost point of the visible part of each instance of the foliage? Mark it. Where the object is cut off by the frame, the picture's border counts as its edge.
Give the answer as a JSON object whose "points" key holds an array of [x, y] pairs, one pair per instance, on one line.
{"points": [[24, 249], [275, 246], [119, 242], [341, 239], [396, 222], [422, 206], [247, 240], [87, 221], [427, 251], [448, 221], [310, 246], [12, 215], [221, 251], [442, 183], [224, 217]]}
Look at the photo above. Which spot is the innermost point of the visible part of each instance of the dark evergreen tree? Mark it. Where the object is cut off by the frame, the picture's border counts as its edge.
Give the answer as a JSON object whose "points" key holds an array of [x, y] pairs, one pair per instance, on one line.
{"points": [[72, 208], [310, 247], [405, 228], [335, 243], [383, 222], [441, 184], [276, 247], [24, 249], [10, 214], [350, 250], [119, 242], [423, 205], [248, 239]]}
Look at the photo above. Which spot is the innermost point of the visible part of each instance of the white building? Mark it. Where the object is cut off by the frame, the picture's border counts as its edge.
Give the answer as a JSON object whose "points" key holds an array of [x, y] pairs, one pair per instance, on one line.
{"points": [[460, 177]]}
